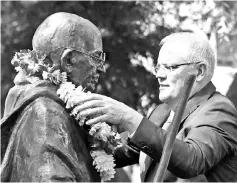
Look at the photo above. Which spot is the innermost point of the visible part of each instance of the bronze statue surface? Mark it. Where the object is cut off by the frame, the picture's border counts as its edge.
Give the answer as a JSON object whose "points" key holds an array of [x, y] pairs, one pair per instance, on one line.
{"points": [[40, 140]]}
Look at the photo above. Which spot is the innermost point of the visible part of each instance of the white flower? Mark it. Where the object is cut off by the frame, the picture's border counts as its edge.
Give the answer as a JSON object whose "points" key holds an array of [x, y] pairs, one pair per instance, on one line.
{"points": [[101, 131], [65, 91], [117, 136], [32, 79], [64, 77], [78, 92], [79, 89], [45, 75], [36, 68], [104, 164], [82, 121], [18, 69]]}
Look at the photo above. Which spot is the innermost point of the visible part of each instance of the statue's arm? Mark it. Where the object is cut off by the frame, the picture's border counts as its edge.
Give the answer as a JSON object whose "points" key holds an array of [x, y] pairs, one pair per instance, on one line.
{"points": [[50, 146]]}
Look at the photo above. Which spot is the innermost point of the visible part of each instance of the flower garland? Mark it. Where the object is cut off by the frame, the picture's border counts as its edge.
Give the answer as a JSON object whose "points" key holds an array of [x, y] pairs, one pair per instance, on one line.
{"points": [[105, 137]]}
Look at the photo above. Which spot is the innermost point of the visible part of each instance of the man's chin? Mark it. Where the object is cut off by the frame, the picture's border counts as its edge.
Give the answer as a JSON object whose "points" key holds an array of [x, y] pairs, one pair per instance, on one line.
{"points": [[163, 98]]}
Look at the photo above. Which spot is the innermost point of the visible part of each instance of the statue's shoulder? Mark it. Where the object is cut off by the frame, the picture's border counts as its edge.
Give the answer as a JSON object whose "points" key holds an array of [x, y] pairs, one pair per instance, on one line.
{"points": [[21, 97], [43, 95]]}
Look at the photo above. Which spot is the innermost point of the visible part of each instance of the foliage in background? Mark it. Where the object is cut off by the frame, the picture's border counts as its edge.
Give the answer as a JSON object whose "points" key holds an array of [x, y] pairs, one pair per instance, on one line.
{"points": [[131, 33]]}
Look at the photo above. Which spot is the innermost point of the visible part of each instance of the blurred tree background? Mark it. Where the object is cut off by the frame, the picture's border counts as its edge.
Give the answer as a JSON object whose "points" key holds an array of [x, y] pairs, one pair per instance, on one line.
{"points": [[131, 33]]}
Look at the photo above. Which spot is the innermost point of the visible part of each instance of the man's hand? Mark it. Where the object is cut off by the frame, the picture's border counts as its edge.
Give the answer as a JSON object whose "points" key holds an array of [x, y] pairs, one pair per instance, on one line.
{"points": [[105, 109]]}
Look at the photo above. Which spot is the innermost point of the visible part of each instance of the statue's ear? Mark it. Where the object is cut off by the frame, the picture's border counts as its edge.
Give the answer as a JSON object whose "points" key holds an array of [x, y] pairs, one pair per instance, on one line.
{"points": [[67, 60]]}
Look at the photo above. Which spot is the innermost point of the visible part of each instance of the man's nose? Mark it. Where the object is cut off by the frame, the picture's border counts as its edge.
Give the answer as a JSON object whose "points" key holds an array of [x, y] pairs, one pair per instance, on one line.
{"points": [[161, 74]]}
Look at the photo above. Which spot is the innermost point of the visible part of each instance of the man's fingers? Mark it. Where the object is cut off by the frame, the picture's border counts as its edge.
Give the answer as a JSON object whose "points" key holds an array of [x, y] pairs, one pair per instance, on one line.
{"points": [[77, 100], [87, 105], [97, 120], [92, 111]]}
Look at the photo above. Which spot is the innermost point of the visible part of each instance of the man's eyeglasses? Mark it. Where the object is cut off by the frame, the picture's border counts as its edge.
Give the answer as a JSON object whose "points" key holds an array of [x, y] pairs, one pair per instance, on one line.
{"points": [[171, 68]]}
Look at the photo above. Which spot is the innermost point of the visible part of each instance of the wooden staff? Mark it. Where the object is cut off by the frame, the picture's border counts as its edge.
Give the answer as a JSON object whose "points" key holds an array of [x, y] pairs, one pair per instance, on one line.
{"points": [[173, 130]]}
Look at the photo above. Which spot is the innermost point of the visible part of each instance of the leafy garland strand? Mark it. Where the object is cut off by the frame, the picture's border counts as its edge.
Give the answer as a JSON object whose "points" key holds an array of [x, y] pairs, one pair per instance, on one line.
{"points": [[105, 138]]}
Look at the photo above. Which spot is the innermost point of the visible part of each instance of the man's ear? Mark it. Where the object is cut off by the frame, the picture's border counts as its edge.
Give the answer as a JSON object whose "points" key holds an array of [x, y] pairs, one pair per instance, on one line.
{"points": [[67, 60], [201, 72]]}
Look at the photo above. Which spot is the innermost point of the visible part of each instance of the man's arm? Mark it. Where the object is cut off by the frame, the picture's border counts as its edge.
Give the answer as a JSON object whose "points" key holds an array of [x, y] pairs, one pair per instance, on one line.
{"points": [[125, 156], [204, 146], [128, 155]]}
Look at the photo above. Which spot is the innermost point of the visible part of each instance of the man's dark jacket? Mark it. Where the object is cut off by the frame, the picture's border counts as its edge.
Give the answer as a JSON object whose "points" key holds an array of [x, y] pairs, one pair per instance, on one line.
{"points": [[40, 141], [205, 145]]}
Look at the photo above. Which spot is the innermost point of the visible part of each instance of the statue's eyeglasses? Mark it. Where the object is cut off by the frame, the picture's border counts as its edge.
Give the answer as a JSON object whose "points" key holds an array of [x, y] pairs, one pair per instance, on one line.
{"points": [[171, 68], [96, 55]]}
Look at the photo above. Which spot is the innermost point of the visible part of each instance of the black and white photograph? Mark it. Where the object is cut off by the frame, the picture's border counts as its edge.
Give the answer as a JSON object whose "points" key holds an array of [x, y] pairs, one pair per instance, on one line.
{"points": [[118, 91]]}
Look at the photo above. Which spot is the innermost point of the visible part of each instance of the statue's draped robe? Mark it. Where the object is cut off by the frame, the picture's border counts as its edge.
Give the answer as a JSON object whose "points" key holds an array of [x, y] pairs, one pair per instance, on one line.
{"points": [[40, 141]]}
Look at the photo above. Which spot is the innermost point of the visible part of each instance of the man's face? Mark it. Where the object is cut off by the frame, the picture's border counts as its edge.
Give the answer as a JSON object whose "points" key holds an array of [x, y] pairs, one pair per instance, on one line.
{"points": [[171, 80], [86, 69]]}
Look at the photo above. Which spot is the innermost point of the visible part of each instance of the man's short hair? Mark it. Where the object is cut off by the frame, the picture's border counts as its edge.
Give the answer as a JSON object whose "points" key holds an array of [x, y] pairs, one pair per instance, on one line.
{"points": [[199, 49]]}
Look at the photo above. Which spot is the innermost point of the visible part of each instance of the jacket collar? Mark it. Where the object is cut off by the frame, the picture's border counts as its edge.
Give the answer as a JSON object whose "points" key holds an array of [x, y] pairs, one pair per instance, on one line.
{"points": [[197, 99]]}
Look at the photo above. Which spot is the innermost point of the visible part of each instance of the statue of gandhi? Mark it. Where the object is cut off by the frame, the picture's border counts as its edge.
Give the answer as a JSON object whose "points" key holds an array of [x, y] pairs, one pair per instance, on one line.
{"points": [[40, 141]]}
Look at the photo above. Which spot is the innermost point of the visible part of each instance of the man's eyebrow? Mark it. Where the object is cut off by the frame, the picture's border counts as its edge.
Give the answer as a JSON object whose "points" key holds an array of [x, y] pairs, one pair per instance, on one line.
{"points": [[164, 64]]}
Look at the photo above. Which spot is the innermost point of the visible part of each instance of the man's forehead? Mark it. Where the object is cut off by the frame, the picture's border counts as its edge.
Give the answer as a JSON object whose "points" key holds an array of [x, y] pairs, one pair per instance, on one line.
{"points": [[172, 54]]}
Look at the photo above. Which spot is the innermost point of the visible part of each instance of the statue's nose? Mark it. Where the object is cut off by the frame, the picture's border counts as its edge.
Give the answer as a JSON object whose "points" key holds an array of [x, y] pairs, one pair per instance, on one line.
{"points": [[101, 69]]}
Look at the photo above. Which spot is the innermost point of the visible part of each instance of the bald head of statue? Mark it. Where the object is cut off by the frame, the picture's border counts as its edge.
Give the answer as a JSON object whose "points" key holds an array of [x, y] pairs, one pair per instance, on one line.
{"points": [[73, 45]]}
